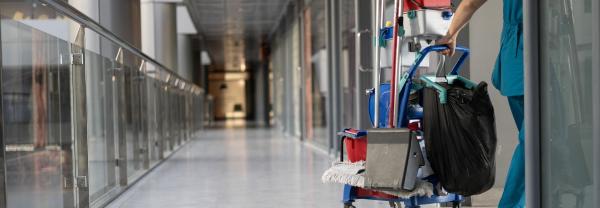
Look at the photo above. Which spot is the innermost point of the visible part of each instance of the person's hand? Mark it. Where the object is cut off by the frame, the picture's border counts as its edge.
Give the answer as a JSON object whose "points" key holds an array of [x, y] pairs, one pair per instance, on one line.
{"points": [[450, 41]]}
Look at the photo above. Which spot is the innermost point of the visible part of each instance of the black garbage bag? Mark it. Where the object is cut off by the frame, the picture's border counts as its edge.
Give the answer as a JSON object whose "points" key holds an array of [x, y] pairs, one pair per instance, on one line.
{"points": [[460, 138]]}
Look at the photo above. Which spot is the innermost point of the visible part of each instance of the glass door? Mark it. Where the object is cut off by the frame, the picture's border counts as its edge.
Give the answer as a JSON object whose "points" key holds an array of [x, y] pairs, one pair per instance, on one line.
{"points": [[569, 99]]}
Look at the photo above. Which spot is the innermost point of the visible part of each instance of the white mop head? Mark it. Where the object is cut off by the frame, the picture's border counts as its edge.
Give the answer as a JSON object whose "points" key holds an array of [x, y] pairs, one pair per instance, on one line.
{"points": [[351, 174], [345, 173]]}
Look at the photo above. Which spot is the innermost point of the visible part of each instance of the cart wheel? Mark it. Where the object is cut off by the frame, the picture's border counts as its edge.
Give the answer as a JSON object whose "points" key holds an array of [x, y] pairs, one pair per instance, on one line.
{"points": [[349, 206], [455, 204], [393, 205]]}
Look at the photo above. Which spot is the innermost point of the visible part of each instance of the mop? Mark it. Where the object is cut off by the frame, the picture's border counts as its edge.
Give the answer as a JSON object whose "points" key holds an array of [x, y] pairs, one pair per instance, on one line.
{"points": [[353, 174]]}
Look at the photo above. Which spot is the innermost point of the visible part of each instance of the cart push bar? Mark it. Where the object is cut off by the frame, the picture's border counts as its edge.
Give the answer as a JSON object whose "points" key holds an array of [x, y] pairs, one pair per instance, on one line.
{"points": [[407, 80]]}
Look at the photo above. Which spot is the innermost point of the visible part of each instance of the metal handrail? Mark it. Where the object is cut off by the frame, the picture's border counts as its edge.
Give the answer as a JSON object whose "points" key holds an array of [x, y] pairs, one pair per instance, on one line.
{"points": [[70, 11]]}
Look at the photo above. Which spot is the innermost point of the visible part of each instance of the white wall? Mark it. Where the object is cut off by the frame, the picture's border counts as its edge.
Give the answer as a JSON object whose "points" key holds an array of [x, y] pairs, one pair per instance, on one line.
{"points": [[185, 59], [159, 29], [89, 8], [148, 28], [185, 45], [485, 29]]}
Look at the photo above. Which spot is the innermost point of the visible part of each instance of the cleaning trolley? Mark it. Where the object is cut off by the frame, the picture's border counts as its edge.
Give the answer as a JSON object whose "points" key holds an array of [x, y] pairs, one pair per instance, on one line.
{"points": [[390, 161]]}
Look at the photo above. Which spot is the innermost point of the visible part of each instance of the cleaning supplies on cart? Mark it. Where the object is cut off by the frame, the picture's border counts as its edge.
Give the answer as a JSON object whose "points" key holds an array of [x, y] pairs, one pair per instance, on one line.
{"points": [[411, 113], [393, 159], [387, 162], [415, 110], [460, 135], [345, 172], [349, 173], [427, 23], [426, 4]]}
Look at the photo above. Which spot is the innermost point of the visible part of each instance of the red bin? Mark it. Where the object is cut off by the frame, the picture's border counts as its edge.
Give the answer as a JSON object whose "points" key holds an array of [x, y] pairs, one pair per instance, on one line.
{"points": [[367, 193], [356, 144], [356, 149], [426, 4]]}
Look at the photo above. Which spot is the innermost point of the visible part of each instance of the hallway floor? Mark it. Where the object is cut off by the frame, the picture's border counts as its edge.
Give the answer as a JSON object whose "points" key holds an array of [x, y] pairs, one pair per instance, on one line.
{"points": [[239, 168]]}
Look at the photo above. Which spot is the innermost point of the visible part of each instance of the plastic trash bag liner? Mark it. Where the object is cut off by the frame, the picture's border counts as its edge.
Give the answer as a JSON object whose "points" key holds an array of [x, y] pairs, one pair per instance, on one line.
{"points": [[460, 137]]}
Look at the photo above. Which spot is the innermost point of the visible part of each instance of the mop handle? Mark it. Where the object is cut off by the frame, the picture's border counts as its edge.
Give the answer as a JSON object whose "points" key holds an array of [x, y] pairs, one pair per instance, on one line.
{"points": [[379, 14], [392, 105]]}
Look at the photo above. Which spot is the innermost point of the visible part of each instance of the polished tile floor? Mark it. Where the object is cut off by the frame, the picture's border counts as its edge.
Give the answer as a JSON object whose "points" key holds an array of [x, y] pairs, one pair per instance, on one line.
{"points": [[239, 168]]}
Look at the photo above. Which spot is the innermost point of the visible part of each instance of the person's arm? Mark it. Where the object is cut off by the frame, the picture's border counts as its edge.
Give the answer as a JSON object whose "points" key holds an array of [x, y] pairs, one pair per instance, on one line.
{"points": [[463, 14]]}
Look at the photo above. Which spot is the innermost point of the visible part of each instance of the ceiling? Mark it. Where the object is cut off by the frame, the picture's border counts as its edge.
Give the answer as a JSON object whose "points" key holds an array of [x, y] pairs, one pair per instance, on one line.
{"points": [[233, 28]]}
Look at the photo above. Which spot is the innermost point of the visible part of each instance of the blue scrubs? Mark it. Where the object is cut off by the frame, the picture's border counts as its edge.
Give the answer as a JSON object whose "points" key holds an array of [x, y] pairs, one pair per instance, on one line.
{"points": [[514, 188], [508, 71], [508, 78]]}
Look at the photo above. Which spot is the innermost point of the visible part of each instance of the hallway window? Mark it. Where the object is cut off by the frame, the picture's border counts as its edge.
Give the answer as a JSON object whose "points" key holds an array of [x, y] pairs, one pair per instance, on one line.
{"points": [[348, 63], [316, 73]]}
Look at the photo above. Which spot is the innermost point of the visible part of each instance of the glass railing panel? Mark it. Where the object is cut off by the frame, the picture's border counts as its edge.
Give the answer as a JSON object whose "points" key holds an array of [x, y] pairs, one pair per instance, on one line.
{"points": [[143, 135], [106, 161], [36, 106], [131, 105], [101, 116], [135, 111], [152, 88], [168, 125], [139, 110]]}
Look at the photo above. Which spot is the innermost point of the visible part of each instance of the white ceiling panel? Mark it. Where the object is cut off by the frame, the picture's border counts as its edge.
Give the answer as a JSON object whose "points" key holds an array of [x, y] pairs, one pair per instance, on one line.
{"points": [[222, 21]]}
